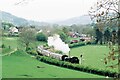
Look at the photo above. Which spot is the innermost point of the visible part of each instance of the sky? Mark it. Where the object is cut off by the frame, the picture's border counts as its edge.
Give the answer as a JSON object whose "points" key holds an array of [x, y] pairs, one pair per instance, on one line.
{"points": [[47, 10]]}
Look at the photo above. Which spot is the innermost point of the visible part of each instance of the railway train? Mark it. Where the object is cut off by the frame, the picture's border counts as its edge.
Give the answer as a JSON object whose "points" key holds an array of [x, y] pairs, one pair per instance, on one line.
{"points": [[41, 51]]}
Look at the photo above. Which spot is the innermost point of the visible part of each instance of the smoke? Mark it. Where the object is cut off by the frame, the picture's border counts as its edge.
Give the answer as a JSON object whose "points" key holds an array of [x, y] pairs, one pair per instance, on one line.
{"points": [[57, 43]]}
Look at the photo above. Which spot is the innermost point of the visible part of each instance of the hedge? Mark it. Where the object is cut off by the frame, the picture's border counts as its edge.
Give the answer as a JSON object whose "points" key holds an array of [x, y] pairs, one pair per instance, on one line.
{"points": [[79, 44], [69, 65], [77, 67]]}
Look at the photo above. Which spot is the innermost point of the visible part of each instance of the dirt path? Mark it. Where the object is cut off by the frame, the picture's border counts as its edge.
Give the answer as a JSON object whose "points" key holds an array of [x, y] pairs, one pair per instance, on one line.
{"points": [[8, 53]]}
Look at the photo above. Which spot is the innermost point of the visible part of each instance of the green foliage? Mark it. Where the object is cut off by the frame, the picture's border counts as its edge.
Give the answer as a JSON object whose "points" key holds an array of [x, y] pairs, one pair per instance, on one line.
{"points": [[45, 45], [78, 67], [28, 48], [6, 50], [20, 64], [3, 46], [89, 31], [27, 36], [41, 37], [65, 30], [77, 44], [6, 25], [63, 36], [60, 52], [32, 52]]}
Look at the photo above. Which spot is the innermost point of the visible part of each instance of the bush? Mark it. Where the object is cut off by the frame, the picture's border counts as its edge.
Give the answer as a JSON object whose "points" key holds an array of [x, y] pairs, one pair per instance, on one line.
{"points": [[41, 37], [32, 52], [63, 37], [2, 46], [45, 45], [60, 52], [69, 65], [77, 44], [75, 66], [28, 49]]}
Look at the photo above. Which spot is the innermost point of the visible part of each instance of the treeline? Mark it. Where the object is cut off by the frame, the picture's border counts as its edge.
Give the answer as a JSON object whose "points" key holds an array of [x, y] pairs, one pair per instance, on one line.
{"points": [[106, 36]]}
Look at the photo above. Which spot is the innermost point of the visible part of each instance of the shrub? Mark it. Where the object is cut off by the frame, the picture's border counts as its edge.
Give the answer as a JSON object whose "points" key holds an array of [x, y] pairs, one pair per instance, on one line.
{"points": [[78, 67], [41, 37], [45, 45], [28, 49], [33, 52], [60, 52], [3, 46], [63, 37], [77, 44], [69, 65]]}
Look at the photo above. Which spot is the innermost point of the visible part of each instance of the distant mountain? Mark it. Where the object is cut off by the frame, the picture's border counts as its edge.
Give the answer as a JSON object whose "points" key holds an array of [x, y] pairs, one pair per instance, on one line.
{"points": [[7, 17], [85, 19]]}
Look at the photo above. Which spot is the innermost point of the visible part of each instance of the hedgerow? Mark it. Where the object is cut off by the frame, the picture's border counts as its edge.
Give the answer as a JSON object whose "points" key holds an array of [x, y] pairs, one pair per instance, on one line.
{"points": [[69, 65], [77, 67]]}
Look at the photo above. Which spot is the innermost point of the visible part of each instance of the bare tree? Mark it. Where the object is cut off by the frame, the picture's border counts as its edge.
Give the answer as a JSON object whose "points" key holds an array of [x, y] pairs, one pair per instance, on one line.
{"points": [[21, 2], [27, 36], [105, 12]]}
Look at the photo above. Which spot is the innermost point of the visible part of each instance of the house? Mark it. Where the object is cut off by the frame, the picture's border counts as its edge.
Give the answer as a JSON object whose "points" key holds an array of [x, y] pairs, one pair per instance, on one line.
{"points": [[84, 37], [13, 30], [73, 34]]}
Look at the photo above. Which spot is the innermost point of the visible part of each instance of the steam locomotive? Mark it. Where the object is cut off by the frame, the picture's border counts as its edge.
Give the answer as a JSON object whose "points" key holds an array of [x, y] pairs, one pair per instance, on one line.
{"points": [[41, 51]]}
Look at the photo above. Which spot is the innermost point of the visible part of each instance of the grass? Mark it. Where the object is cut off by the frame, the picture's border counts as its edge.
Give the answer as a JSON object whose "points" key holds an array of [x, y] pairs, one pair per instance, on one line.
{"points": [[93, 55], [21, 65], [71, 38], [6, 50], [14, 43], [10, 41]]}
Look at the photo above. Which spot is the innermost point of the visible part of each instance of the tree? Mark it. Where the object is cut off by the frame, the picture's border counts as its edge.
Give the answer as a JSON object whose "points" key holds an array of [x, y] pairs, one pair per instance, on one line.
{"points": [[6, 25], [63, 36], [107, 36], [106, 11], [27, 36], [65, 30], [88, 30], [41, 37], [99, 36]]}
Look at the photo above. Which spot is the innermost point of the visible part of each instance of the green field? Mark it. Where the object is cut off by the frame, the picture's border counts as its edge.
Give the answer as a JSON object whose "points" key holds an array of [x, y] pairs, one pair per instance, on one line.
{"points": [[14, 43], [21, 65], [10, 41], [93, 55]]}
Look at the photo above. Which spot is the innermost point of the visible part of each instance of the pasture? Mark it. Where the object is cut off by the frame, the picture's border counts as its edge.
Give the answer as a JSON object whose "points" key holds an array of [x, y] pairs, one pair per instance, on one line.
{"points": [[21, 65], [93, 55], [14, 43]]}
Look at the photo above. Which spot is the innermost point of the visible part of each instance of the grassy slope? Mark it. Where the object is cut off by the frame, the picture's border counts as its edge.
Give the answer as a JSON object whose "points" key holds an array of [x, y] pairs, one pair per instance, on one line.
{"points": [[14, 43], [21, 65], [10, 41], [93, 55]]}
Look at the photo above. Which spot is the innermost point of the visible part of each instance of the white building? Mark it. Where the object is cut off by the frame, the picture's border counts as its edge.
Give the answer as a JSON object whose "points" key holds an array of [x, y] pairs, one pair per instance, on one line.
{"points": [[13, 30]]}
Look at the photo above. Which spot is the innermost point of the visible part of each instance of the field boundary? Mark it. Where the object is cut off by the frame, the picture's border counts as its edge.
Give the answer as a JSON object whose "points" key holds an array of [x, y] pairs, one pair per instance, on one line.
{"points": [[9, 52], [77, 67]]}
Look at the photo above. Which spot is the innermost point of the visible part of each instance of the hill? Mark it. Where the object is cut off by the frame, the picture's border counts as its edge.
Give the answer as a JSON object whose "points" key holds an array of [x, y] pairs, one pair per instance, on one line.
{"points": [[83, 20], [8, 17]]}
